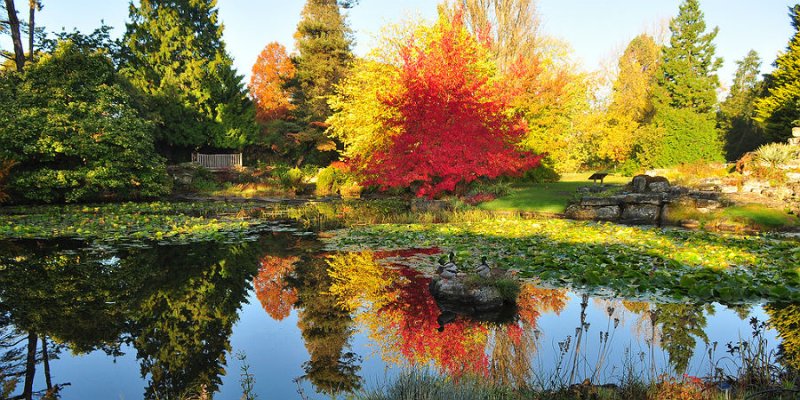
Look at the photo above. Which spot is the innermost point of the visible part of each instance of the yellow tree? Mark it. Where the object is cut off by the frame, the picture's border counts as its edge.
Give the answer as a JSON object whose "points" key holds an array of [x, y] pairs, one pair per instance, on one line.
{"points": [[360, 119], [632, 99]]}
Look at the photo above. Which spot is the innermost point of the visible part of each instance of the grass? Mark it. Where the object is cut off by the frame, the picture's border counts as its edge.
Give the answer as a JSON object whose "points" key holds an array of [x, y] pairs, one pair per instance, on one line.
{"points": [[756, 217], [548, 198]]}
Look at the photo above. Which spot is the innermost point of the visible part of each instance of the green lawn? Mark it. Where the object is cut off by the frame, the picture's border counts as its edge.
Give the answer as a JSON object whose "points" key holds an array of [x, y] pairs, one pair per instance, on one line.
{"points": [[547, 197]]}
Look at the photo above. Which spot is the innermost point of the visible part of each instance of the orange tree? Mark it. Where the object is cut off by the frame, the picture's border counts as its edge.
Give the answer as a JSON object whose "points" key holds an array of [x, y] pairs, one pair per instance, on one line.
{"points": [[268, 83]]}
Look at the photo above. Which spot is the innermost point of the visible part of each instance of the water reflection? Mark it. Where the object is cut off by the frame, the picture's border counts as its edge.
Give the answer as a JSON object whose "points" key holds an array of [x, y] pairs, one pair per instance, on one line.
{"points": [[176, 309]]}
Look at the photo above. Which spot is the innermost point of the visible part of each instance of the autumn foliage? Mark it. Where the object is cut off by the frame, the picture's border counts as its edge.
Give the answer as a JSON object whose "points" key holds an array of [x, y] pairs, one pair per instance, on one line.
{"points": [[270, 74], [273, 293], [453, 120]]}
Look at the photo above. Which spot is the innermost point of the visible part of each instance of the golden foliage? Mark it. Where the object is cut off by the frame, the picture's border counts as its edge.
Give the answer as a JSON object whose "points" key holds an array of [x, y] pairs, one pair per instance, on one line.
{"points": [[358, 279]]}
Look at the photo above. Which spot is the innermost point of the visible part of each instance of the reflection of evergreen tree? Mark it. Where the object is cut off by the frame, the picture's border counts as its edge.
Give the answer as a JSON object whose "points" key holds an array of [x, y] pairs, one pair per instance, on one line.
{"points": [[175, 304], [326, 328], [680, 325], [785, 318], [182, 326], [53, 290]]}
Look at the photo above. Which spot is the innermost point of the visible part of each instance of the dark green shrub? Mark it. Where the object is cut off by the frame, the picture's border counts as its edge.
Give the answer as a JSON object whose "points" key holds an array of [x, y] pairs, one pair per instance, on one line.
{"points": [[71, 125], [543, 173]]}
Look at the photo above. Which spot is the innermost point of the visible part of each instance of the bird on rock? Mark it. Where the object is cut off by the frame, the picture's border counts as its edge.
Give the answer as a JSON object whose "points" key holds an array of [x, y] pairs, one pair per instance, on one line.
{"points": [[483, 270], [449, 269]]}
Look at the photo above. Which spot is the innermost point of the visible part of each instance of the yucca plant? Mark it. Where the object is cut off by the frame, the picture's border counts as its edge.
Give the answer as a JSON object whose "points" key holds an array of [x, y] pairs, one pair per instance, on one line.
{"points": [[774, 154]]}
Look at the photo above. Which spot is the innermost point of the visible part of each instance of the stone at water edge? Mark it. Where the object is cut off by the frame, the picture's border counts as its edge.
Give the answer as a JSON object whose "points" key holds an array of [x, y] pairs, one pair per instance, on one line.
{"points": [[796, 131], [639, 183]]}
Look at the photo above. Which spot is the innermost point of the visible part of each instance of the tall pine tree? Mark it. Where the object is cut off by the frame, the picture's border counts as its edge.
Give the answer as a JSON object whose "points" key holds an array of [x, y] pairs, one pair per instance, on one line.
{"points": [[323, 42], [742, 133], [685, 95], [779, 109], [173, 52]]}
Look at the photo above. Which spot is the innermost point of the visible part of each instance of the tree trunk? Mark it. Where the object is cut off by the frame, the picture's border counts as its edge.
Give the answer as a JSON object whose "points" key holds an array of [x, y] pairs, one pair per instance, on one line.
{"points": [[31, 27], [46, 360], [13, 25], [30, 365]]}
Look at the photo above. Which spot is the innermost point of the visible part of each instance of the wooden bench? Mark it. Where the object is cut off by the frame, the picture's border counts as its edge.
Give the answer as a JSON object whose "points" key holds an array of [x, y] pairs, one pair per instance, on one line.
{"points": [[216, 162]]}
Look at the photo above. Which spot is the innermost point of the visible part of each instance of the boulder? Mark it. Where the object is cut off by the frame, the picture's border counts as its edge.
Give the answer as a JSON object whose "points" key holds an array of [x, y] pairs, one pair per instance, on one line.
{"points": [[639, 183], [705, 205], [658, 187], [728, 189], [647, 183], [754, 186], [455, 294], [643, 198], [601, 201], [602, 213], [641, 213]]}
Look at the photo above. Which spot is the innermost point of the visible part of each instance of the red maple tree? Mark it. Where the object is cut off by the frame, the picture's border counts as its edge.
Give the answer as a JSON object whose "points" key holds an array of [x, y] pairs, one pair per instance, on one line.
{"points": [[455, 122]]}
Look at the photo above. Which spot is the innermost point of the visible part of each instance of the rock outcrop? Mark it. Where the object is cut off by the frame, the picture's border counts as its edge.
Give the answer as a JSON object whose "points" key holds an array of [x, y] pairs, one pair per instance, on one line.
{"points": [[646, 200]]}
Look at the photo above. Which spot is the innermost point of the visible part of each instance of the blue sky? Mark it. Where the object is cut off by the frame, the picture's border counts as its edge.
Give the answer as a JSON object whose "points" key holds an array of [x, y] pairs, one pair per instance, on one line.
{"points": [[595, 29]]}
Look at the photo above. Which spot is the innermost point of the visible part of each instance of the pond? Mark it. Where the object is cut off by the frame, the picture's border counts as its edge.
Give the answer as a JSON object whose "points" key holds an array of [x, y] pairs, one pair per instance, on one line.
{"points": [[291, 319]]}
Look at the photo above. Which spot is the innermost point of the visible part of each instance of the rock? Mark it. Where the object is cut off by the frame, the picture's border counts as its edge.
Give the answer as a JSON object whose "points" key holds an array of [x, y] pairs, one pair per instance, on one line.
{"points": [[647, 183], [643, 198], [603, 213], [690, 224], [183, 174], [639, 183], [793, 176], [796, 131], [658, 187], [753, 186], [608, 213], [455, 294], [705, 205], [728, 189], [601, 201], [781, 193], [641, 213]]}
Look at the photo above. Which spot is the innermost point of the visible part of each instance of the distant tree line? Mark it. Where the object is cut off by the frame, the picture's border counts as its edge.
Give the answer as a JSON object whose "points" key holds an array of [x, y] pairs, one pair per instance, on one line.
{"points": [[88, 118]]}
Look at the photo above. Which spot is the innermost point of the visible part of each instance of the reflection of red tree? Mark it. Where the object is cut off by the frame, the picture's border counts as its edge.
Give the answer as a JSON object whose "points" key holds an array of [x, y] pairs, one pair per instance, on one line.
{"points": [[533, 301], [459, 349], [271, 290]]}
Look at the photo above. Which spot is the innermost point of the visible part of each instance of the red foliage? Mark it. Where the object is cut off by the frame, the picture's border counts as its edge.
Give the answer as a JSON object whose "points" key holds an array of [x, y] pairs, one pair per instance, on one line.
{"points": [[270, 73], [457, 350], [455, 124], [271, 289]]}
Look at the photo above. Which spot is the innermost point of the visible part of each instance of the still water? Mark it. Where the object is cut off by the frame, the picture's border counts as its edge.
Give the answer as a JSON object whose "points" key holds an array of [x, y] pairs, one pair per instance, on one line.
{"points": [[173, 321]]}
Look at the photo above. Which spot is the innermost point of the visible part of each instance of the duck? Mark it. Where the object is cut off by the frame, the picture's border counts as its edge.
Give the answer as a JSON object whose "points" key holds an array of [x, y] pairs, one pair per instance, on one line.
{"points": [[483, 270], [449, 269]]}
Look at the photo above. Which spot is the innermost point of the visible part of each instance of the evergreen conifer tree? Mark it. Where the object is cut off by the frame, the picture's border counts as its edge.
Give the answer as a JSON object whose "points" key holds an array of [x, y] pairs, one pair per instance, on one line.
{"points": [[323, 42], [779, 109], [685, 95], [736, 113], [173, 52]]}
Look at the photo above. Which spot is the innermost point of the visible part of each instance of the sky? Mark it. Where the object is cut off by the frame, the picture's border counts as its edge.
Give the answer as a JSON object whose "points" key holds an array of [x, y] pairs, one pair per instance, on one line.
{"points": [[596, 30]]}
